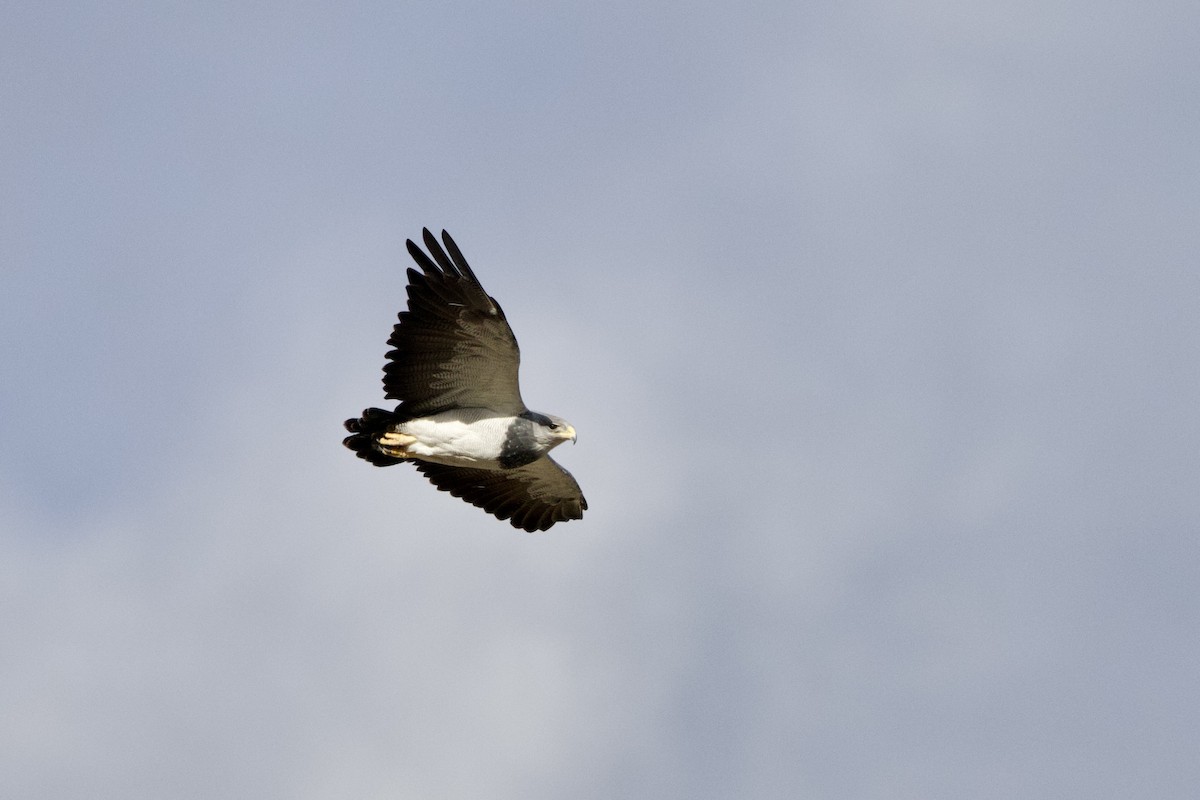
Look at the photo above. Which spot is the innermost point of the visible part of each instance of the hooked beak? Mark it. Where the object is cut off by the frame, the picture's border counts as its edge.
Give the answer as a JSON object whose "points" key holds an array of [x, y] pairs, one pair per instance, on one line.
{"points": [[569, 433]]}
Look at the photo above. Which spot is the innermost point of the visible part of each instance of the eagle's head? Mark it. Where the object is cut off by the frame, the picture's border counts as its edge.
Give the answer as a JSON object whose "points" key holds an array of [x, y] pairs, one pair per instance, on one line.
{"points": [[550, 431]]}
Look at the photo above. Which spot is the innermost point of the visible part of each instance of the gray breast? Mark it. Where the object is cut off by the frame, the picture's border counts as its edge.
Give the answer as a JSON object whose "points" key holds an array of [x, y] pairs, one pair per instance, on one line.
{"points": [[520, 444]]}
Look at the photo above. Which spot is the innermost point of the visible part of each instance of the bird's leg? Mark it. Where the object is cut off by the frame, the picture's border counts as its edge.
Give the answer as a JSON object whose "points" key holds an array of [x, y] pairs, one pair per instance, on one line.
{"points": [[394, 443]]}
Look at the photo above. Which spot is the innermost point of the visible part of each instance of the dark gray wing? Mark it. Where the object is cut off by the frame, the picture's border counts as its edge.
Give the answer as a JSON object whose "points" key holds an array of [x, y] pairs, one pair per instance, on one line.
{"points": [[532, 497], [452, 347]]}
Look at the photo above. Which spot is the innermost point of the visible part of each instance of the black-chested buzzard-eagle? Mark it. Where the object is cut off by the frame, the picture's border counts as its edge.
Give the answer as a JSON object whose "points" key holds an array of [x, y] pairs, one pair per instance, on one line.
{"points": [[461, 419]]}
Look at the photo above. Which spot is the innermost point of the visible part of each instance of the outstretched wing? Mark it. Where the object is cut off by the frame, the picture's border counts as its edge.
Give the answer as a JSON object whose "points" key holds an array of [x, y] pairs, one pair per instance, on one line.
{"points": [[532, 497], [453, 347]]}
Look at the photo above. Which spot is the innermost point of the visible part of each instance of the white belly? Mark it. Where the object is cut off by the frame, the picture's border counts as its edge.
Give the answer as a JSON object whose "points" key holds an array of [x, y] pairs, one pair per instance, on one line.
{"points": [[462, 438]]}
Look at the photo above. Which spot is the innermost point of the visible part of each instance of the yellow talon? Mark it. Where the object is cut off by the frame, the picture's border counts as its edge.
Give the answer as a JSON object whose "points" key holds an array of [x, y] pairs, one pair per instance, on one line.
{"points": [[394, 444]]}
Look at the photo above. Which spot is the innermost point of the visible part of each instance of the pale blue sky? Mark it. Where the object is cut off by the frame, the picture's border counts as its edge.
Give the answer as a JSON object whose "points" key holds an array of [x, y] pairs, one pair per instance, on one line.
{"points": [[877, 321]]}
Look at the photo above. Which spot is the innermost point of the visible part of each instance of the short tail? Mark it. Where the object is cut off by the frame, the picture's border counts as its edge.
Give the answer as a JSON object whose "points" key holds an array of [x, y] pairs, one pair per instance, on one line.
{"points": [[365, 429]]}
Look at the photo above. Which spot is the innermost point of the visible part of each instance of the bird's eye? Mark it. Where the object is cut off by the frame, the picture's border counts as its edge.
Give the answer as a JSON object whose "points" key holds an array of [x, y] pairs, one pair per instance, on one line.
{"points": [[553, 426]]}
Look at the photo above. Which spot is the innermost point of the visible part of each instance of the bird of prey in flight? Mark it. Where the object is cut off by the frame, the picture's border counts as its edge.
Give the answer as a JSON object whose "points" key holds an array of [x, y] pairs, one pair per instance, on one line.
{"points": [[460, 418]]}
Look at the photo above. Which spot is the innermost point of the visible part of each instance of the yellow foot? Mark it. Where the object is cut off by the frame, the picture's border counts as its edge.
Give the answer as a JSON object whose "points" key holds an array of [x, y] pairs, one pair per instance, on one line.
{"points": [[394, 444]]}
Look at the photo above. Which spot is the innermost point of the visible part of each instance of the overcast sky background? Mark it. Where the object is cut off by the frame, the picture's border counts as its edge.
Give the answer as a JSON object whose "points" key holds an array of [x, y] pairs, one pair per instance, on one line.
{"points": [[878, 322]]}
